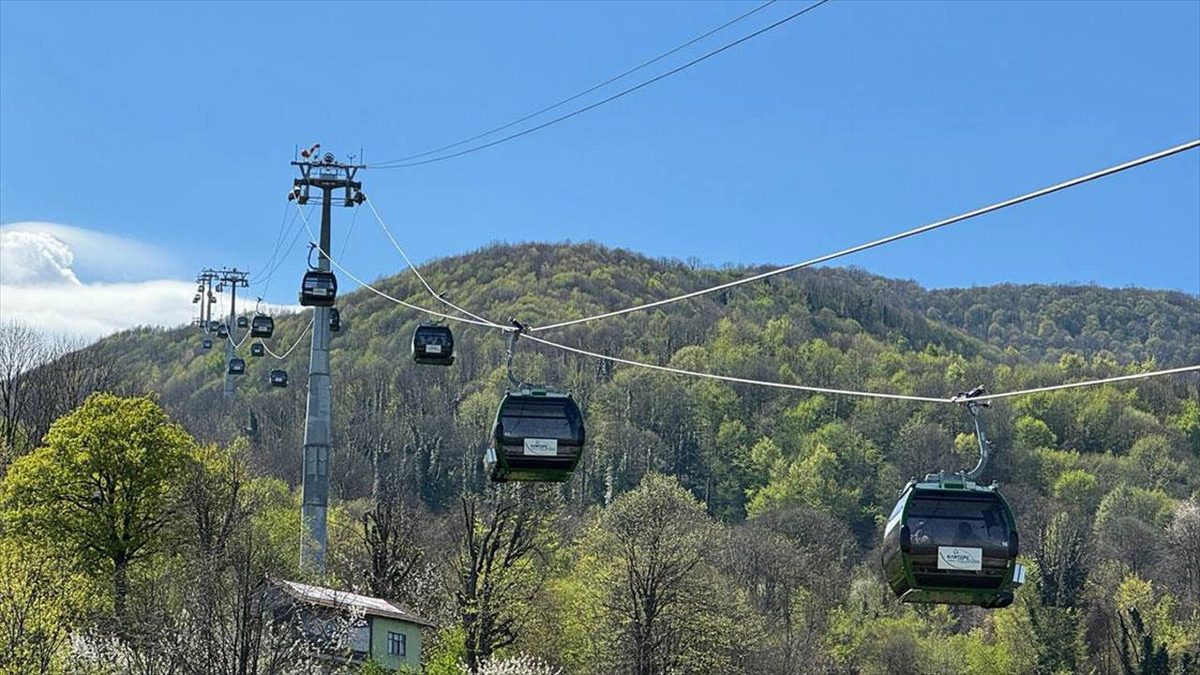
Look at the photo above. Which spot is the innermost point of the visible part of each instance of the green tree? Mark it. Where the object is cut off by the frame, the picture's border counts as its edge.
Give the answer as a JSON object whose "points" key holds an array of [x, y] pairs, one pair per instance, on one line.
{"points": [[1152, 457], [1150, 637], [666, 607], [1032, 433], [1130, 526], [104, 487], [1077, 488], [38, 605], [498, 574], [835, 470], [1188, 421]]}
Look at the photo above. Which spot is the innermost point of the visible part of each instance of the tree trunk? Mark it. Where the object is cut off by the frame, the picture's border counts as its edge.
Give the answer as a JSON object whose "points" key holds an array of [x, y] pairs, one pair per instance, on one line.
{"points": [[120, 587]]}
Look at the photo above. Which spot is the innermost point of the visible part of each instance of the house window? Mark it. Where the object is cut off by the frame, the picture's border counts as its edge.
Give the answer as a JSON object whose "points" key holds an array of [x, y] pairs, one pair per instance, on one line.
{"points": [[396, 643]]}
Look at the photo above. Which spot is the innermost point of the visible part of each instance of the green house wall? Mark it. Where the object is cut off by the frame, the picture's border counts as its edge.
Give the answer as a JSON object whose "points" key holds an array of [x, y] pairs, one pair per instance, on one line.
{"points": [[380, 627]]}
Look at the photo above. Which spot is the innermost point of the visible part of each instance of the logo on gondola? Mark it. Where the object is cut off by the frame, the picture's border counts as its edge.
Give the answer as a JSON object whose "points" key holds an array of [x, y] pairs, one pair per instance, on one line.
{"points": [[541, 447], [960, 558]]}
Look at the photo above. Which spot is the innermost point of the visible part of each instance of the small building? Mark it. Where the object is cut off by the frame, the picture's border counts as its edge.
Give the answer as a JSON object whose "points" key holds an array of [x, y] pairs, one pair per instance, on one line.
{"points": [[352, 628]]}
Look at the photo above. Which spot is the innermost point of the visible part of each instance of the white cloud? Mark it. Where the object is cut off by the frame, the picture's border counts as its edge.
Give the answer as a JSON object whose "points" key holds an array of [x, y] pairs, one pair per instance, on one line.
{"points": [[39, 284], [96, 310], [66, 280], [30, 258], [97, 256]]}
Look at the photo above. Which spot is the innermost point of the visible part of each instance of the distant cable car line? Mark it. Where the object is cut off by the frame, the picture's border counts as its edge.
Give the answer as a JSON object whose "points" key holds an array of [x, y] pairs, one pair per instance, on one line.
{"points": [[1147, 159], [479, 320], [587, 91], [393, 164]]}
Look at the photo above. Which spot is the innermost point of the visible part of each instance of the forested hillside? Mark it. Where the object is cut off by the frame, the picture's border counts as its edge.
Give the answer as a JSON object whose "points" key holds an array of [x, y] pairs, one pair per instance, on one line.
{"points": [[711, 527]]}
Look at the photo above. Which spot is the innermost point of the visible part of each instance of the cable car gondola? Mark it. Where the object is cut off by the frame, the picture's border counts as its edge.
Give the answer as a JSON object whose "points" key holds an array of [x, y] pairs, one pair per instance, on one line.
{"points": [[213, 326], [242, 322], [237, 366], [335, 320], [538, 436], [257, 349], [206, 343], [222, 331], [263, 326], [318, 289], [279, 378], [433, 344], [952, 541]]}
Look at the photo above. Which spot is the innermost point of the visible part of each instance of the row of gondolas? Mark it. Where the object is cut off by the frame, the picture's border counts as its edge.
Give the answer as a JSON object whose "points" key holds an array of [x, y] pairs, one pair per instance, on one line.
{"points": [[949, 540]]}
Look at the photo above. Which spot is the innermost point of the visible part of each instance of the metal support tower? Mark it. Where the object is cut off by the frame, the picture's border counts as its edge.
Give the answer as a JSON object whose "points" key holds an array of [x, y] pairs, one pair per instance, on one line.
{"points": [[207, 299], [233, 278], [327, 175]]}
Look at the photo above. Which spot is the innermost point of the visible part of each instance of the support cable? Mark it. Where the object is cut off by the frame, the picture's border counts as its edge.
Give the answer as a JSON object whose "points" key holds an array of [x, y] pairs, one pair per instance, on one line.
{"points": [[589, 90], [1147, 159], [349, 231], [237, 345], [382, 294], [866, 394], [1073, 385], [519, 328], [738, 380], [279, 237], [284, 355], [562, 118], [270, 274], [437, 296]]}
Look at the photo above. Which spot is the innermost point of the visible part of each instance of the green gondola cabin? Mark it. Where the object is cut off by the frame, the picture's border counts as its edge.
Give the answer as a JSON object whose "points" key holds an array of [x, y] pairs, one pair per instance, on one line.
{"points": [[952, 541], [538, 436], [263, 326]]}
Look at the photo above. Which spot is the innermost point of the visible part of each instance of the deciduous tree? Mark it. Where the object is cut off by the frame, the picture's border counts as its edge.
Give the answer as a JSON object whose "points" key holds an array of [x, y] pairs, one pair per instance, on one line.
{"points": [[103, 487]]}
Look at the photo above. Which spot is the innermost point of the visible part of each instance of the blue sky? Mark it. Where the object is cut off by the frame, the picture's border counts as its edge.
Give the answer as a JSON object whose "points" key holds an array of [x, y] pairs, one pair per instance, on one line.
{"points": [[172, 125]]}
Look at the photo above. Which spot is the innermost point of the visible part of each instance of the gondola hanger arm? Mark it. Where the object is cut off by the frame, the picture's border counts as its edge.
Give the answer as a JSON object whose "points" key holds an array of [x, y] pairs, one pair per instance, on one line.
{"points": [[973, 400], [513, 334]]}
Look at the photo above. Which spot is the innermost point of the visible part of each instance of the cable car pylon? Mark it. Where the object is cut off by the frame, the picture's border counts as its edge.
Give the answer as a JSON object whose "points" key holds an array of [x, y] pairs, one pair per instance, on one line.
{"points": [[233, 278], [319, 291]]}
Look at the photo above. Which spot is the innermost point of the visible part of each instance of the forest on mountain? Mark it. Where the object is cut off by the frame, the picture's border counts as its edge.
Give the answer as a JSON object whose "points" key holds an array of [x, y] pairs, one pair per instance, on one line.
{"points": [[711, 527]]}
